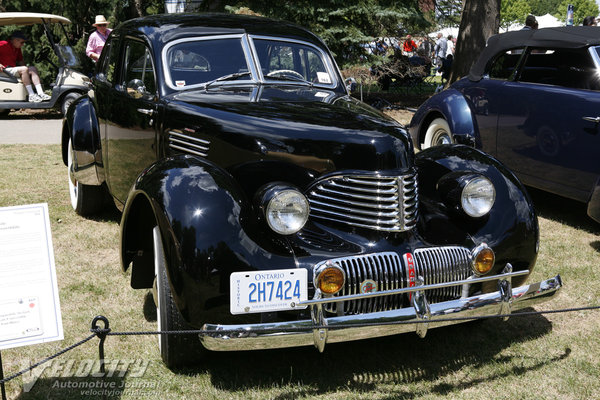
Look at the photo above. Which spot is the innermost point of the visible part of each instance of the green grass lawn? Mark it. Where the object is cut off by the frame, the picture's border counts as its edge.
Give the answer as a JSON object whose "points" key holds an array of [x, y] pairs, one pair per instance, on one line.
{"points": [[554, 356]]}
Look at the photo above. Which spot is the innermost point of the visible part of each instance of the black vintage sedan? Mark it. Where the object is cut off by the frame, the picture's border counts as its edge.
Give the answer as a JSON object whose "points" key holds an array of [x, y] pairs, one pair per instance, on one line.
{"points": [[266, 207], [532, 100]]}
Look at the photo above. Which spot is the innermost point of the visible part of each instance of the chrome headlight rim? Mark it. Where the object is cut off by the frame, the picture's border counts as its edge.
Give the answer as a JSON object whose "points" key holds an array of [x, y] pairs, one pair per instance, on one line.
{"points": [[318, 272], [278, 211], [478, 196], [475, 254]]}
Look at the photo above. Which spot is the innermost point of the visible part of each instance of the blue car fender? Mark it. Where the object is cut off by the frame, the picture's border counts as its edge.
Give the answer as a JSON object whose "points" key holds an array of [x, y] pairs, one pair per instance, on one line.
{"points": [[204, 218], [452, 106]]}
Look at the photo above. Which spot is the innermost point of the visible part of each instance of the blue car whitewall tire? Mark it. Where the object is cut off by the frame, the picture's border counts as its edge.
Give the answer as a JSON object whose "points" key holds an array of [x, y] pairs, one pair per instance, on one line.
{"points": [[438, 133]]}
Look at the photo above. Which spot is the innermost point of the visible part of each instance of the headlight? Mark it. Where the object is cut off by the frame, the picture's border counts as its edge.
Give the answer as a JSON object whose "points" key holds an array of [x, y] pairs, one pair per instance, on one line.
{"points": [[478, 196], [286, 209]]}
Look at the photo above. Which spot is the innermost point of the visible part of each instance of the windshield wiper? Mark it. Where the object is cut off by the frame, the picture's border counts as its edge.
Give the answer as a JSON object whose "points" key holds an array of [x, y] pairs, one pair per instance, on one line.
{"points": [[225, 78], [291, 78]]}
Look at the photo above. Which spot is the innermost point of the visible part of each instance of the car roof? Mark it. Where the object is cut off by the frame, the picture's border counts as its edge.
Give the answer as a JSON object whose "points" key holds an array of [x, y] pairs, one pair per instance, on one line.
{"points": [[29, 18], [163, 28], [558, 37]]}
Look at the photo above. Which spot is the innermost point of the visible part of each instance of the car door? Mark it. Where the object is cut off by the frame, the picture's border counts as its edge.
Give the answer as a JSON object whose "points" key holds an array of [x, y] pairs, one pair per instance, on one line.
{"points": [[548, 131], [129, 123], [487, 97]]}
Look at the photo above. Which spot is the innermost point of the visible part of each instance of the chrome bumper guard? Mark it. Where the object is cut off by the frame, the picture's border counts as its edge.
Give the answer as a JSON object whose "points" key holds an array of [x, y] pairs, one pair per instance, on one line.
{"points": [[321, 330]]}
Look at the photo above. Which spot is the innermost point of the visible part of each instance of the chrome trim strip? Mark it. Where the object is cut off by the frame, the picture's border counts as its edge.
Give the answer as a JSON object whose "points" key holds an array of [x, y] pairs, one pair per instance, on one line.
{"points": [[188, 144], [194, 139], [187, 150], [300, 333]]}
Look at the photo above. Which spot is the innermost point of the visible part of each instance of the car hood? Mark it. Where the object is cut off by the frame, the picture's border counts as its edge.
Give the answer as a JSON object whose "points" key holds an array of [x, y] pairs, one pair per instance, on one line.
{"points": [[320, 129]]}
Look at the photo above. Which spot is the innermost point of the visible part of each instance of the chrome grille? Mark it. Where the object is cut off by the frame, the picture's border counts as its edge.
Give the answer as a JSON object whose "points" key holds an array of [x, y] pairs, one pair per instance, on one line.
{"points": [[435, 265], [384, 268], [443, 264], [383, 203], [188, 144]]}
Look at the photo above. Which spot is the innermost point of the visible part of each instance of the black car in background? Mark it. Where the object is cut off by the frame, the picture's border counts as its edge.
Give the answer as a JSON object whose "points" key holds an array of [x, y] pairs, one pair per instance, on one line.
{"points": [[258, 196]]}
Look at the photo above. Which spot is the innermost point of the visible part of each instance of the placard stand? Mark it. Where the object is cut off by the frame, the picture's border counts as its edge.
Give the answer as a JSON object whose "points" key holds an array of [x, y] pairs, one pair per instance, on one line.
{"points": [[2, 377]]}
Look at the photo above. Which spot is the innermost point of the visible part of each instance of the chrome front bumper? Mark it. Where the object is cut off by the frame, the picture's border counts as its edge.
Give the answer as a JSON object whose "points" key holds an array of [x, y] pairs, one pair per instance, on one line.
{"points": [[320, 330]]}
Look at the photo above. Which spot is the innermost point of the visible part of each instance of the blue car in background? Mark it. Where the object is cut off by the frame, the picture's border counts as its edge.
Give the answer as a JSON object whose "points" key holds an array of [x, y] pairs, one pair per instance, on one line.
{"points": [[532, 100]]}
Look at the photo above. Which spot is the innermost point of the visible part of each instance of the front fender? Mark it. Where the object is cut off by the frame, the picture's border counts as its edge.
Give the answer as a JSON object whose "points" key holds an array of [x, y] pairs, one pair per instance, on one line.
{"points": [[80, 125], [207, 233], [510, 228], [451, 105]]}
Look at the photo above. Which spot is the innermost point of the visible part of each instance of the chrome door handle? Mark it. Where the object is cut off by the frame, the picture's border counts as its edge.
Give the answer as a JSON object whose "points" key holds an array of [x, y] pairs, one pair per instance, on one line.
{"points": [[145, 111], [592, 119]]}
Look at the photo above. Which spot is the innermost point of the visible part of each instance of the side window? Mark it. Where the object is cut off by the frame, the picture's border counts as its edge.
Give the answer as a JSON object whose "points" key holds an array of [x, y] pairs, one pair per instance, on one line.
{"points": [[139, 78], [109, 62], [541, 67], [504, 64], [572, 68]]}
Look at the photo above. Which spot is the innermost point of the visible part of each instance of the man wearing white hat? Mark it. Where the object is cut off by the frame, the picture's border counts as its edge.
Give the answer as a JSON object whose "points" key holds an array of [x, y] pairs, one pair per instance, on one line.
{"points": [[97, 38]]}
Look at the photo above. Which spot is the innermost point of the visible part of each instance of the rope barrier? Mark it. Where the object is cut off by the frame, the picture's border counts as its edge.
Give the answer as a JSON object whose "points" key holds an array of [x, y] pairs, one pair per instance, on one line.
{"points": [[102, 333]]}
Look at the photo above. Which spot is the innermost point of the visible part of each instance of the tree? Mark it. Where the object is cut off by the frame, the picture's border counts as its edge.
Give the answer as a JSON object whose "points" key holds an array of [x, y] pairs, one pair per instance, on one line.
{"points": [[344, 26], [543, 7], [513, 12], [448, 12], [582, 8], [480, 20]]}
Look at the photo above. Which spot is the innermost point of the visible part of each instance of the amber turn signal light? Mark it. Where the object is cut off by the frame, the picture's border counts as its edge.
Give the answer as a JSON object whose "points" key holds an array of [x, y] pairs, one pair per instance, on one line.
{"points": [[483, 259], [330, 279]]}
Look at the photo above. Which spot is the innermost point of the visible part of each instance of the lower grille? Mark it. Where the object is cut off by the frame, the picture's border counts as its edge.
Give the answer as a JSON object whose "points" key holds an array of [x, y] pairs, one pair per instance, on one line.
{"points": [[435, 265]]}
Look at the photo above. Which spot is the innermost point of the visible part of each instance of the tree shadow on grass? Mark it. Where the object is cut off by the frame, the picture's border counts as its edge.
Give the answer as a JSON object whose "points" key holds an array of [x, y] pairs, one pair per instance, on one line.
{"points": [[362, 366]]}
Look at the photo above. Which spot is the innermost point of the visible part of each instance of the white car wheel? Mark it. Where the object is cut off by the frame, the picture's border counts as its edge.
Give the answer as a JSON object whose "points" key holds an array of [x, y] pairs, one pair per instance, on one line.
{"points": [[438, 133]]}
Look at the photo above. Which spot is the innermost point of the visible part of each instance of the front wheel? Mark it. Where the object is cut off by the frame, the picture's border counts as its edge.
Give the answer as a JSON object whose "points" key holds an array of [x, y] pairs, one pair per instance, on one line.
{"points": [[175, 349], [85, 199], [438, 133]]}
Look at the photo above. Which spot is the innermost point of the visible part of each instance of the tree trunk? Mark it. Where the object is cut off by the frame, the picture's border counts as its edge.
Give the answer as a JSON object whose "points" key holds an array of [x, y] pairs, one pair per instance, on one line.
{"points": [[480, 19]]}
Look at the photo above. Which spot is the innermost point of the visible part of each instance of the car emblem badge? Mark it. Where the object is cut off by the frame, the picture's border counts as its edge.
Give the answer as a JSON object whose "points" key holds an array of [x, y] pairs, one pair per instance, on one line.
{"points": [[409, 261], [7, 90], [368, 286]]}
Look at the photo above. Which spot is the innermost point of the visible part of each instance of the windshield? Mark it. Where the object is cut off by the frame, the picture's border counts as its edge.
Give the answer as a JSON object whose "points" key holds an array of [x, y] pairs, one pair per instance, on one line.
{"points": [[285, 60], [69, 56], [203, 63], [192, 63]]}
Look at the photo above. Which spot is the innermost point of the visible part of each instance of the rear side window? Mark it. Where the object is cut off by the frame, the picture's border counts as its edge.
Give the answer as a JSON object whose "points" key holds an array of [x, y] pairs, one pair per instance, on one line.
{"points": [[504, 64], [572, 68]]}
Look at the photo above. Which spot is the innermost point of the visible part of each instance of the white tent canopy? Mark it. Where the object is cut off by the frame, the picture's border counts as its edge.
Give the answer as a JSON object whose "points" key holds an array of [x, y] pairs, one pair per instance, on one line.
{"points": [[544, 21]]}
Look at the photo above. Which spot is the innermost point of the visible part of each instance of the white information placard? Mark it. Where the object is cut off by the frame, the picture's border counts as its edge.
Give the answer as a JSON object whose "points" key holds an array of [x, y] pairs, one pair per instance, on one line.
{"points": [[29, 303]]}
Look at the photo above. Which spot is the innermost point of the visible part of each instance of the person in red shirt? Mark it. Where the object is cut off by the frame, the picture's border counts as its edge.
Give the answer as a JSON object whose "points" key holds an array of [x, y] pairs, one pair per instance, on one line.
{"points": [[11, 62], [409, 45]]}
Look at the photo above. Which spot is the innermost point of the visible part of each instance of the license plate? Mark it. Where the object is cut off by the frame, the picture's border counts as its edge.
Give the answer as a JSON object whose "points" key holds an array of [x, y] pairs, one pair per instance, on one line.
{"points": [[263, 291]]}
